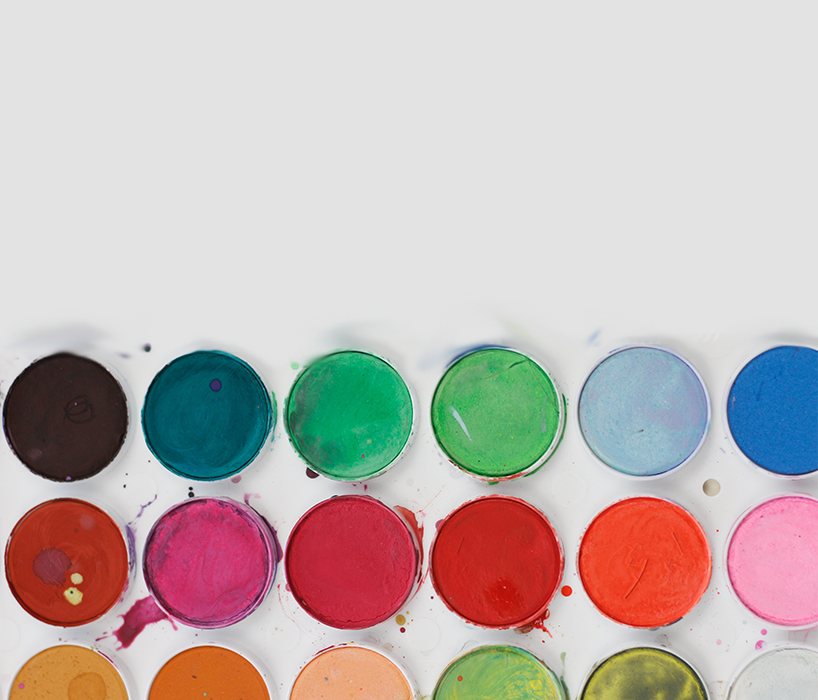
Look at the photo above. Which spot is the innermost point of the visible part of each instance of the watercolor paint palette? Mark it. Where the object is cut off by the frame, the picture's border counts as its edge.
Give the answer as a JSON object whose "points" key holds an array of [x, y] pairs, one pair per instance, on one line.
{"points": [[216, 458]]}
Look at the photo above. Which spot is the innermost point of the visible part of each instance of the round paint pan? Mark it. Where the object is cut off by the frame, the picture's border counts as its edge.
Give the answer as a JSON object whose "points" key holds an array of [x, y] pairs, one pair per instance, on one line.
{"points": [[69, 671], [209, 562], [67, 562], [644, 562], [772, 560], [643, 672], [772, 411], [497, 414], [643, 411], [352, 562], [496, 562], [782, 673], [349, 415], [353, 672], [209, 671], [207, 415], [498, 671], [66, 417]]}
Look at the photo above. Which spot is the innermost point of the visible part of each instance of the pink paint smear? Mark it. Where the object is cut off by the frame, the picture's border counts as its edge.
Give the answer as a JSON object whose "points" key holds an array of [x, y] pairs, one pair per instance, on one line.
{"points": [[142, 613]]}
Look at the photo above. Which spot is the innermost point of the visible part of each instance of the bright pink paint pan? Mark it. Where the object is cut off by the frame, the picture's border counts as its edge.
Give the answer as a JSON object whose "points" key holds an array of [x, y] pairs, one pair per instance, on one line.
{"points": [[209, 562], [772, 560], [352, 562]]}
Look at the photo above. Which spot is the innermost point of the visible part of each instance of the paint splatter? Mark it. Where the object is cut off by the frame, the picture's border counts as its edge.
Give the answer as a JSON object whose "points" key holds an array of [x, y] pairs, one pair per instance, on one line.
{"points": [[566, 590], [216, 385], [311, 474], [142, 613], [73, 595], [760, 644], [236, 479], [416, 526]]}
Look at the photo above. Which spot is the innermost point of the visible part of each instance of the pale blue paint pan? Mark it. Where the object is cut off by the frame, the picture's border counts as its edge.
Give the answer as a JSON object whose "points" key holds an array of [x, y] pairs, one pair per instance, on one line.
{"points": [[643, 411]]}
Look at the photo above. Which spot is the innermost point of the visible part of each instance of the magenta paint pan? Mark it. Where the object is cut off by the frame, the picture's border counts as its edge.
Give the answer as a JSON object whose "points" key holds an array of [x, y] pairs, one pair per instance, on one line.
{"points": [[772, 560], [209, 562], [352, 562]]}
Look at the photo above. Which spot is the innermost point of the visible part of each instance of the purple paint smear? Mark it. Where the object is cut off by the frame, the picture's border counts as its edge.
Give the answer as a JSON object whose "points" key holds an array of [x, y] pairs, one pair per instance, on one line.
{"points": [[142, 613], [130, 536], [50, 566]]}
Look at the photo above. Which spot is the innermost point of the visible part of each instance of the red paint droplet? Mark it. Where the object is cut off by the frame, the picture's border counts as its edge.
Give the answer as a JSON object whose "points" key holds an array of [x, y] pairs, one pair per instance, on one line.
{"points": [[403, 629], [460, 678], [763, 631], [567, 590]]}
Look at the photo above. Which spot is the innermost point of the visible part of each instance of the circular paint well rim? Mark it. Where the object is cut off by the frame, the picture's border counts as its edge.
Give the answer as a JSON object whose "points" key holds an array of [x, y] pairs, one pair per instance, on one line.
{"points": [[113, 519], [756, 657], [247, 656], [406, 443], [267, 538], [559, 687], [726, 556], [111, 657], [762, 350], [128, 401], [646, 477], [683, 659], [631, 499], [270, 406], [407, 676], [550, 450], [549, 528], [416, 555]]}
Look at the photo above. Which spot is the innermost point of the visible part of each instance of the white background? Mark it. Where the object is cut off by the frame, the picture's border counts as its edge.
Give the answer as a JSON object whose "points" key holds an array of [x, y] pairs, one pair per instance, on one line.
{"points": [[281, 179]]}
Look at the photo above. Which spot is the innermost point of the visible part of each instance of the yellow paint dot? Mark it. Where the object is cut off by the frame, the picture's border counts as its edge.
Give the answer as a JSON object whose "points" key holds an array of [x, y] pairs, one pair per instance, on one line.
{"points": [[76, 579], [400, 619], [73, 595]]}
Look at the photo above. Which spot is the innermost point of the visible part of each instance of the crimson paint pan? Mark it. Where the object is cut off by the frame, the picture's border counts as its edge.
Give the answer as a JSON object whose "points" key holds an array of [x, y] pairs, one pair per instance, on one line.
{"points": [[66, 417], [209, 562], [352, 562], [67, 562], [644, 562], [353, 672], [496, 562]]}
